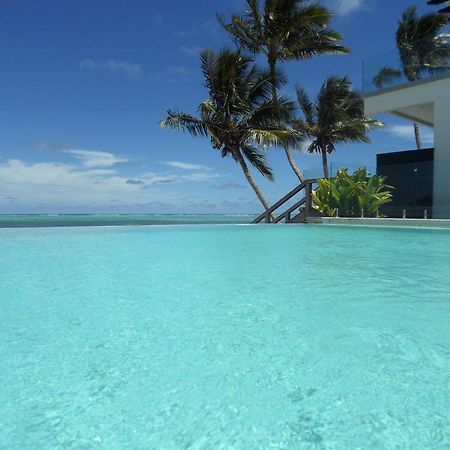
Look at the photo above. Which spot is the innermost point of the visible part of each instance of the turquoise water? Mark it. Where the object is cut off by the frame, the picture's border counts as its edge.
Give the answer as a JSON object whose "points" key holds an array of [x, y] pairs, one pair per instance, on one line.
{"points": [[224, 337], [70, 220]]}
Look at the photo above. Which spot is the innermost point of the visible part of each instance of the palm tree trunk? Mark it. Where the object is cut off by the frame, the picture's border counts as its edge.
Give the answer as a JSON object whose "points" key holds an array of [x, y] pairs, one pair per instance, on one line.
{"points": [[417, 136], [253, 184], [326, 173], [294, 165], [290, 157]]}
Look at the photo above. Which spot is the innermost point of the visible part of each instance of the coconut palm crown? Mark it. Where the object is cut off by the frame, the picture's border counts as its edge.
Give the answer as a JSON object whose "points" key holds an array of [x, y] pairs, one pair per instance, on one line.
{"points": [[336, 117], [240, 117], [423, 49], [285, 30]]}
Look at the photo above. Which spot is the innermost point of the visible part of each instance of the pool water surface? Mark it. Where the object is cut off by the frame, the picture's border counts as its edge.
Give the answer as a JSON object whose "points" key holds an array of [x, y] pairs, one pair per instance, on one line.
{"points": [[224, 337]]}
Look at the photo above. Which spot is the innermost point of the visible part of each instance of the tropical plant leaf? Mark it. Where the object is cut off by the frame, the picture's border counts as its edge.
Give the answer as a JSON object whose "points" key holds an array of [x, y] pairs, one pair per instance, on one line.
{"points": [[351, 194]]}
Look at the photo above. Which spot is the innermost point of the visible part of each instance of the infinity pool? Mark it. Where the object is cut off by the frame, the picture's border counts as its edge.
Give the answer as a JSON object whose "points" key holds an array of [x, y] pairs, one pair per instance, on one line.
{"points": [[224, 337]]}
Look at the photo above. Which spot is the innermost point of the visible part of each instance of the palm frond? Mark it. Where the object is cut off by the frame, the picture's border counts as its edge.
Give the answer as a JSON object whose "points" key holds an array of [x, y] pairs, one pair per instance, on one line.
{"points": [[386, 75], [239, 28], [258, 160], [285, 30], [321, 42], [277, 112], [270, 136], [185, 122], [306, 105], [336, 116], [421, 44], [207, 59], [263, 83]]}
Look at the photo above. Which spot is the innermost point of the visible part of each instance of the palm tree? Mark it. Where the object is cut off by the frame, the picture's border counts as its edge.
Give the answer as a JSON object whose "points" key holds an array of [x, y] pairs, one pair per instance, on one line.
{"points": [[337, 116], [240, 115], [285, 30], [422, 47]]}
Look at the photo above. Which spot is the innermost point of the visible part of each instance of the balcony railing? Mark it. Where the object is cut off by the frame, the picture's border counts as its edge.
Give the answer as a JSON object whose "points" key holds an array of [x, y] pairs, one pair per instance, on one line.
{"points": [[419, 60]]}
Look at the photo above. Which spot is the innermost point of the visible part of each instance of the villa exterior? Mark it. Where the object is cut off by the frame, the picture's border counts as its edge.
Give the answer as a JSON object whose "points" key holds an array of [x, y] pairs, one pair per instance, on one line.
{"points": [[425, 102]]}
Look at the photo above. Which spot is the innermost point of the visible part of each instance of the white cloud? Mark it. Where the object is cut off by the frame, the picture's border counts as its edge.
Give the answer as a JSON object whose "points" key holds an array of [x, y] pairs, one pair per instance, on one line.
{"points": [[406, 132], [93, 158], [199, 176], [345, 7], [129, 69], [186, 166], [60, 181], [90, 180]]}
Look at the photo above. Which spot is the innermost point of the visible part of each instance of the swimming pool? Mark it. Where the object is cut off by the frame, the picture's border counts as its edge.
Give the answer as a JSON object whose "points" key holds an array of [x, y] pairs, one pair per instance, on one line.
{"points": [[232, 337]]}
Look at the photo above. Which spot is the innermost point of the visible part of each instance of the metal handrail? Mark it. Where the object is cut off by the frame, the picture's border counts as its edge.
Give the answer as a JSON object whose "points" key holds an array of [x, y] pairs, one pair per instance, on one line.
{"points": [[287, 214], [307, 184]]}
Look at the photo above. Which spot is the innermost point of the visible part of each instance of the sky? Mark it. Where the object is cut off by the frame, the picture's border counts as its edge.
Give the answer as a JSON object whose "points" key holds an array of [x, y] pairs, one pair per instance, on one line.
{"points": [[84, 84]]}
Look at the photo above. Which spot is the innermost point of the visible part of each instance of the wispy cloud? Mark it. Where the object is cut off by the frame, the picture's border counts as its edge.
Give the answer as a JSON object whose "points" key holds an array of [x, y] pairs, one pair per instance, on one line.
{"points": [[131, 70], [150, 179], [207, 27], [199, 176], [177, 71], [406, 132], [134, 181], [89, 158], [172, 74], [229, 185], [44, 145], [158, 18], [346, 7], [186, 166], [191, 51], [94, 158]]}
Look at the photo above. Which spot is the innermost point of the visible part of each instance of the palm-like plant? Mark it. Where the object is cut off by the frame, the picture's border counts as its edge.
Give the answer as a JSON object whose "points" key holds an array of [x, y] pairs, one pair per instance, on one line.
{"points": [[240, 116], [422, 47], [285, 30], [337, 116], [351, 194]]}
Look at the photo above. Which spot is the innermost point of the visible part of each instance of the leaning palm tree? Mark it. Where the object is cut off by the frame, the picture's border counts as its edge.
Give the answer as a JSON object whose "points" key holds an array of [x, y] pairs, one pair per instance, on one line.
{"points": [[285, 30], [422, 47], [337, 116], [240, 116]]}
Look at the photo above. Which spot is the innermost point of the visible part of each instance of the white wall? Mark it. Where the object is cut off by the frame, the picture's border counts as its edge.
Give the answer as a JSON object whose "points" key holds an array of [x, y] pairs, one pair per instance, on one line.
{"points": [[442, 156]]}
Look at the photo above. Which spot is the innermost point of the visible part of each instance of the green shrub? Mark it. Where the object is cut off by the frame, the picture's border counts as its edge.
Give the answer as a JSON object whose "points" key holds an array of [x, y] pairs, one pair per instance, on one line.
{"points": [[350, 194]]}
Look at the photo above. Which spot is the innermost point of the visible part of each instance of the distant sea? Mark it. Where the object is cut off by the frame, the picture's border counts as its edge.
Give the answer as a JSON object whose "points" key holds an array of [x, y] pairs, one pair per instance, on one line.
{"points": [[79, 220]]}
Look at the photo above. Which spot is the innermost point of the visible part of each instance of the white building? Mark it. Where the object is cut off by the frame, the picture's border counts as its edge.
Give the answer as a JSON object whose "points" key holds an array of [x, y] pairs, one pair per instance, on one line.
{"points": [[426, 102]]}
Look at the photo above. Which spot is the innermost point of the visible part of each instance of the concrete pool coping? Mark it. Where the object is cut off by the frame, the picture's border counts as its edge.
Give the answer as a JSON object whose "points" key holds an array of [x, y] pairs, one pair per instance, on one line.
{"points": [[383, 222]]}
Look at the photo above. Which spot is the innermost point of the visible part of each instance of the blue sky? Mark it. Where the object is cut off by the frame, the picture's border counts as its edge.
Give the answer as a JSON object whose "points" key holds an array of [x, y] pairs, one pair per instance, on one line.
{"points": [[83, 86]]}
